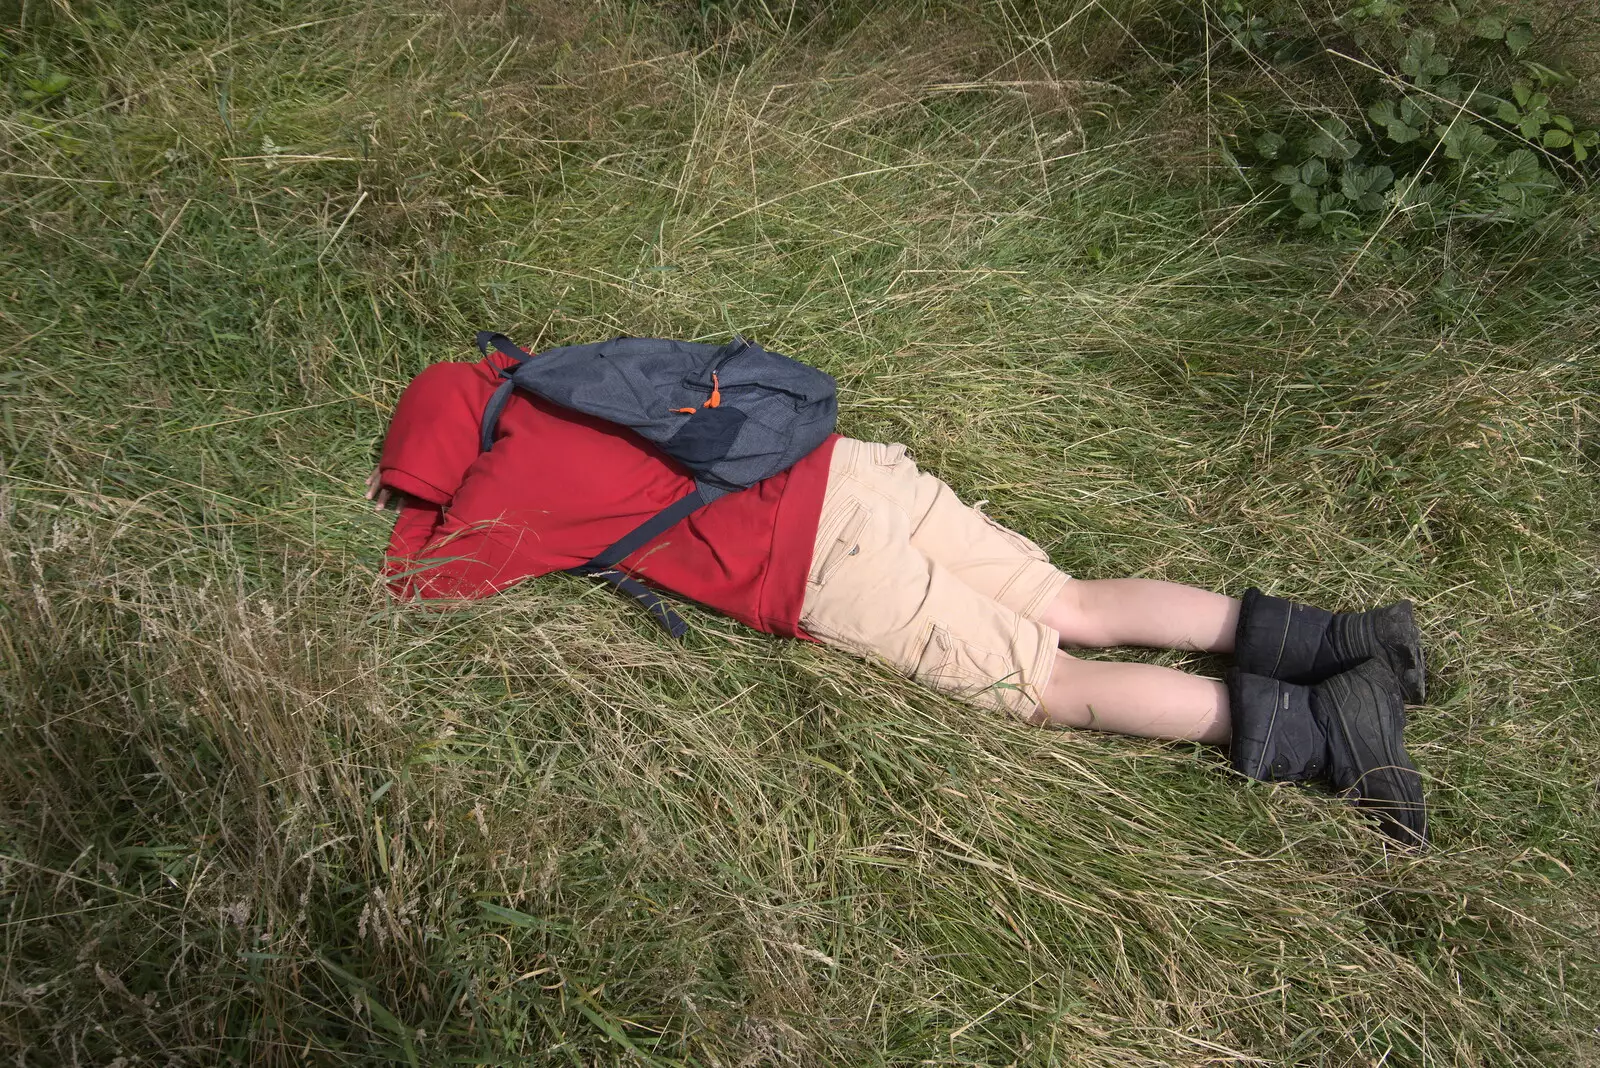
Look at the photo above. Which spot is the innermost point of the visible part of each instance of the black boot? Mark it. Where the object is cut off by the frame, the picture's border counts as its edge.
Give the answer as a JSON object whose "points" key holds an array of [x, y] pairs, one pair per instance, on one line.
{"points": [[1347, 728], [1298, 643]]}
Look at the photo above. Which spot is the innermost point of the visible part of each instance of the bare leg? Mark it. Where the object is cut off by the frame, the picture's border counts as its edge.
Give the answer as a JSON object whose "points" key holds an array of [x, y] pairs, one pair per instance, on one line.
{"points": [[1141, 699], [1097, 613]]}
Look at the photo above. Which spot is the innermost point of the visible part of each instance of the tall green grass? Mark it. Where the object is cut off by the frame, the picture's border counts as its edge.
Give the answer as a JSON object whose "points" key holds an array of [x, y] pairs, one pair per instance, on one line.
{"points": [[256, 812]]}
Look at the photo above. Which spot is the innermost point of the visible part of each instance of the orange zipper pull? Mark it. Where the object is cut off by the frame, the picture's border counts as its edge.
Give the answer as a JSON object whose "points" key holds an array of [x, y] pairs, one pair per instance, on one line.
{"points": [[716, 392], [686, 411]]}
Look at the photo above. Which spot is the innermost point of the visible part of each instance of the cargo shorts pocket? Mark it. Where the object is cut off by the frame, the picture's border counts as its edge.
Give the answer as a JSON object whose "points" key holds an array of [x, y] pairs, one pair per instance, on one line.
{"points": [[839, 540], [988, 680]]}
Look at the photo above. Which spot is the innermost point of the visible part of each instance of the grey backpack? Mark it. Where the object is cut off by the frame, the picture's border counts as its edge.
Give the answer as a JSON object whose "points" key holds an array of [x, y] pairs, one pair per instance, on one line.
{"points": [[731, 414]]}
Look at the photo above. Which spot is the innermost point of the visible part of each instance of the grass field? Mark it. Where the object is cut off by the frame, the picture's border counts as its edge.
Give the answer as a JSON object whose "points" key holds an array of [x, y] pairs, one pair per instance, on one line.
{"points": [[255, 812]]}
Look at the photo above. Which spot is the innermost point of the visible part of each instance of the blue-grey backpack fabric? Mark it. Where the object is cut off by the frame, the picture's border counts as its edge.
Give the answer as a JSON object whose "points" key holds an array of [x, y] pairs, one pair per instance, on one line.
{"points": [[731, 414]]}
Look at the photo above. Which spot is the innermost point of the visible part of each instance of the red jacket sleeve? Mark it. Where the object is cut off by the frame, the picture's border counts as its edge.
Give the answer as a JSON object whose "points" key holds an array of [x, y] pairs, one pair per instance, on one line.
{"points": [[433, 437], [432, 557], [431, 444]]}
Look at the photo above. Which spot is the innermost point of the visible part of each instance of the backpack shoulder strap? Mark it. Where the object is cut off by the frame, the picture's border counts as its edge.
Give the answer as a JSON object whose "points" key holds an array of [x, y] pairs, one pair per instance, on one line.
{"points": [[658, 524], [497, 402], [503, 345], [604, 566], [652, 601], [491, 414]]}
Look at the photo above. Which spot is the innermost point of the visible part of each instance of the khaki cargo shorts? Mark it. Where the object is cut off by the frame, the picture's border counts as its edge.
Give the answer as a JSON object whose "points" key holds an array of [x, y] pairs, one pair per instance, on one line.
{"points": [[904, 572]]}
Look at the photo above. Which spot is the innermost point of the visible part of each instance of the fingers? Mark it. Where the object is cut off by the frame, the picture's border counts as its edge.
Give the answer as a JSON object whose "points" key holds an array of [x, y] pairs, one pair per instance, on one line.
{"points": [[381, 495]]}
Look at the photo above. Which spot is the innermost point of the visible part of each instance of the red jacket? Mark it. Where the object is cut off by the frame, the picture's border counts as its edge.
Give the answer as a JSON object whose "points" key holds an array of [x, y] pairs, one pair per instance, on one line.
{"points": [[559, 487]]}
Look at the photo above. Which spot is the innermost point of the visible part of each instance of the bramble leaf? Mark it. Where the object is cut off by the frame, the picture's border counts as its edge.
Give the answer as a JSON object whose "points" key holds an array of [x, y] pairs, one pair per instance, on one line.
{"points": [[1403, 134], [1419, 194], [1466, 141], [1518, 37], [1387, 10], [43, 88], [1520, 166], [1397, 125], [1356, 182], [1489, 27], [1422, 62], [1270, 144], [1332, 140], [1352, 187]]}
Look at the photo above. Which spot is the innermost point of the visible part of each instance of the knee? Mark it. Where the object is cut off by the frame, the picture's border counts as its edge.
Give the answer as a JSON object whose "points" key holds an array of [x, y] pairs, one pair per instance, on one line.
{"points": [[1075, 615], [1060, 705]]}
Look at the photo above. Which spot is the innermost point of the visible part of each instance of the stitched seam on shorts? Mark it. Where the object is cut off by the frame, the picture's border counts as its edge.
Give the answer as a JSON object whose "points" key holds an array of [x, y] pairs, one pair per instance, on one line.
{"points": [[1046, 592], [973, 687], [930, 630], [833, 636], [855, 521], [1002, 688], [836, 515], [882, 451], [1043, 668], [866, 487], [852, 450], [1030, 607], [1000, 595]]}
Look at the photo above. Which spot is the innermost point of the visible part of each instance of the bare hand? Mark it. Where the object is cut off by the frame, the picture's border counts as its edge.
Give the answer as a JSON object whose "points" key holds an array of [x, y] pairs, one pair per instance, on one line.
{"points": [[378, 493]]}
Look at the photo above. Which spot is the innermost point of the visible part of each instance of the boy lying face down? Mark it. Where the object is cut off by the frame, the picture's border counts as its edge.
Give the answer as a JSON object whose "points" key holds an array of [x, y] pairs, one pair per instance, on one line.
{"points": [[857, 548]]}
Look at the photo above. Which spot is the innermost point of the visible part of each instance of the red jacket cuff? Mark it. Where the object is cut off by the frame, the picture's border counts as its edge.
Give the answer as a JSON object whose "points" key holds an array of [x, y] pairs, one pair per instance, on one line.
{"points": [[413, 486]]}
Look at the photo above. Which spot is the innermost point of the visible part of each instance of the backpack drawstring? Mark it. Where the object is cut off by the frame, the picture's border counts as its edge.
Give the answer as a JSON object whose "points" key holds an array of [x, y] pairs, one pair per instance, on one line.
{"points": [[713, 401]]}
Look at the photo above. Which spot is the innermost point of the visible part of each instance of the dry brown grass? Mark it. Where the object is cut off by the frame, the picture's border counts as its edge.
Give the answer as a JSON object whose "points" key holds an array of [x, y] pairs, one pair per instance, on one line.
{"points": [[253, 810]]}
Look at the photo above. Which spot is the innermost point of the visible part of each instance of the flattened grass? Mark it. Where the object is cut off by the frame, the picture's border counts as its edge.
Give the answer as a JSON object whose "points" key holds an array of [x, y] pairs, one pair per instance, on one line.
{"points": [[253, 810]]}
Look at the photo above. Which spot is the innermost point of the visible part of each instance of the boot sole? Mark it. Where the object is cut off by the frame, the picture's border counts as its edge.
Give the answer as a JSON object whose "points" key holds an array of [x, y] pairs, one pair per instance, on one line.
{"points": [[1388, 785], [1408, 661]]}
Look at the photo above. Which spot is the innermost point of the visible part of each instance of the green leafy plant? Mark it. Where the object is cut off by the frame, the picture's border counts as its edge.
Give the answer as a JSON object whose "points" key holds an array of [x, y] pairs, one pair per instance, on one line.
{"points": [[1246, 32], [45, 87], [1441, 140], [1529, 112], [1496, 24], [1423, 63], [1386, 11], [1328, 190]]}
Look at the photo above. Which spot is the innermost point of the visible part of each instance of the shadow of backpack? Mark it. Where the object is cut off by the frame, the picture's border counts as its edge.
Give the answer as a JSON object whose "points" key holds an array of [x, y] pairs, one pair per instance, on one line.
{"points": [[732, 414]]}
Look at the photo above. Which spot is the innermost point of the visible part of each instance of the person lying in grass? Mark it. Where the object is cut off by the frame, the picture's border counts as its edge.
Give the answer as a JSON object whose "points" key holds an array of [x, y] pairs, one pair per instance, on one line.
{"points": [[857, 548]]}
